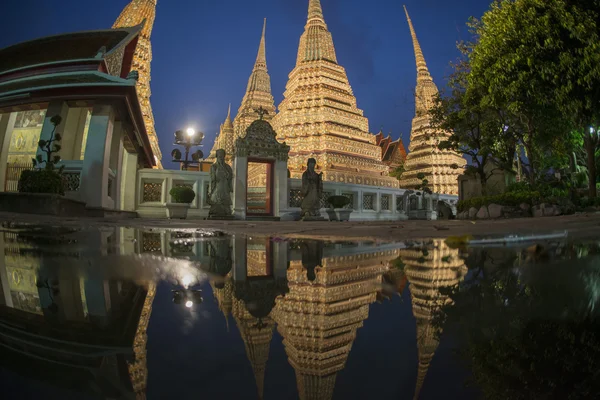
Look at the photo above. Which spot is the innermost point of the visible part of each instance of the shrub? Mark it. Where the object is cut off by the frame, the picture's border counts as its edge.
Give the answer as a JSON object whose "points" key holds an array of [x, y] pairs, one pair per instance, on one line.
{"points": [[512, 199], [338, 201], [182, 194], [41, 181]]}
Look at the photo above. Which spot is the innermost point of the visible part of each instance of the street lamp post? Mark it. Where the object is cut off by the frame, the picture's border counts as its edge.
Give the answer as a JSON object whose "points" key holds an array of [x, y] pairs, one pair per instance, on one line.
{"points": [[188, 139]]}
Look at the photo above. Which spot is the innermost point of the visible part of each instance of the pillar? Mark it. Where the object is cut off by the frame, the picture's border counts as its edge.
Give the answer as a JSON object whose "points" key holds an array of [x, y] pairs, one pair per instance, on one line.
{"points": [[240, 186], [7, 124], [96, 161], [281, 188], [72, 130], [57, 107], [128, 174]]}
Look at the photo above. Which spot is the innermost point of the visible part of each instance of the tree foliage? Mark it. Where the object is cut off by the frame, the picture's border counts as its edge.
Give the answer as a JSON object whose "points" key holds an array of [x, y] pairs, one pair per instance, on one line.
{"points": [[540, 62]]}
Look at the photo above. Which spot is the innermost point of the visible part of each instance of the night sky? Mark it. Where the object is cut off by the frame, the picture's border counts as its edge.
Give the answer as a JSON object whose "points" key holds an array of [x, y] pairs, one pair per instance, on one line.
{"points": [[204, 51]]}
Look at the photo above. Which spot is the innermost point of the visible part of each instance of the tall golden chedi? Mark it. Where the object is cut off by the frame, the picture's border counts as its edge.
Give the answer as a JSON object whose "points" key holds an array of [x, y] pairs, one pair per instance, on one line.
{"points": [[319, 319], [136, 12], [424, 157], [319, 116], [428, 269]]}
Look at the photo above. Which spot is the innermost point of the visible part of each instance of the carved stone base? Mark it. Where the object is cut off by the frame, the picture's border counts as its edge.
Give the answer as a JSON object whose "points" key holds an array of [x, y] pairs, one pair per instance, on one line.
{"points": [[220, 211], [221, 217], [307, 218]]}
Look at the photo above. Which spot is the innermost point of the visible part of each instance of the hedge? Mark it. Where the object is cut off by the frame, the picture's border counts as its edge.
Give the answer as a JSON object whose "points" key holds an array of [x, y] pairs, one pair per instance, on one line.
{"points": [[512, 199]]}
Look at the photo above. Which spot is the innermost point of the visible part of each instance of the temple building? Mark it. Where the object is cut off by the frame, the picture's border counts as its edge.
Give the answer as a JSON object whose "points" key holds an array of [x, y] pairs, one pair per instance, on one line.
{"points": [[89, 80], [441, 168], [428, 269], [134, 14], [393, 152], [319, 116]]}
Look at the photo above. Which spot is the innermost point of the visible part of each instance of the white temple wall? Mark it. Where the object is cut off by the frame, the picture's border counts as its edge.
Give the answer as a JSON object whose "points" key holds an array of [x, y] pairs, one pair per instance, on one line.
{"points": [[369, 203]]}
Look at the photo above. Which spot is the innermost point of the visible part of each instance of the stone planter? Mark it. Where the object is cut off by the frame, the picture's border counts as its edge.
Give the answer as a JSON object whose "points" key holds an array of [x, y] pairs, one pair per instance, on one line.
{"points": [[339, 214], [177, 210]]}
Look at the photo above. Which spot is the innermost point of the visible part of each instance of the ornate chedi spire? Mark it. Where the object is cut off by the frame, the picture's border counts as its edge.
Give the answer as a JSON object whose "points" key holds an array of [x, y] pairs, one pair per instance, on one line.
{"points": [[424, 156], [319, 116], [138, 370], [134, 14], [225, 139], [256, 334], [258, 93], [319, 318], [428, 269]]}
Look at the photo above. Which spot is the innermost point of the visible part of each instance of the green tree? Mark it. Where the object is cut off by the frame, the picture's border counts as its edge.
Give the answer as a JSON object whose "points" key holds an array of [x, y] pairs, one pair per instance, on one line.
{"points": [[532, 55], [478, 131]]}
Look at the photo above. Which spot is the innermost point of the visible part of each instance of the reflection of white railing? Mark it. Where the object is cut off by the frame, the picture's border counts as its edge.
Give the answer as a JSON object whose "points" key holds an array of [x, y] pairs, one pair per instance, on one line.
{"points": [[153, 187]]}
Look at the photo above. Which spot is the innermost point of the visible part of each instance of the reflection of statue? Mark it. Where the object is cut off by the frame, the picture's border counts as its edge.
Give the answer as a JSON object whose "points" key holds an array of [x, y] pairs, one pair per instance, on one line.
{"points": [[312, 188], [221, 187], [312, 255], [220, 258]]}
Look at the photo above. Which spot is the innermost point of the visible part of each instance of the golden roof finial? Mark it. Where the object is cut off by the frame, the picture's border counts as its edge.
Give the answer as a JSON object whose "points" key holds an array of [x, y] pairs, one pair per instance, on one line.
{"points": [[422, 71], [315, 11], [261, 57], [316, 42]]}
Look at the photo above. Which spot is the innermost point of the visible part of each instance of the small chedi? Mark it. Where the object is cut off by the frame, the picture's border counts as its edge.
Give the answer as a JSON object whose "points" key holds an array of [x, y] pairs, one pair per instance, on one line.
{"points": [[441, 168], [312, 189], [221, 187]]}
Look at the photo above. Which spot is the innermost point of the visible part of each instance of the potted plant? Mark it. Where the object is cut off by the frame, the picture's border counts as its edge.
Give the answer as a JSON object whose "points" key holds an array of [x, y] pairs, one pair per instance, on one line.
{"points": [[339, 212], [45, 177], [182, 197]]}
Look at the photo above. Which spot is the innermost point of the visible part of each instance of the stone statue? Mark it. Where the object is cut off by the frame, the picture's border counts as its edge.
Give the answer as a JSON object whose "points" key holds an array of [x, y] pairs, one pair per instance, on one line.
{"points": [[312, 188], [221, 187]]}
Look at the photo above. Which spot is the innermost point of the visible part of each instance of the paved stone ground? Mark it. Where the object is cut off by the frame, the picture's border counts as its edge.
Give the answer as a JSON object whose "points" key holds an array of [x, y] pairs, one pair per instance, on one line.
{"points": [[579, 225]]}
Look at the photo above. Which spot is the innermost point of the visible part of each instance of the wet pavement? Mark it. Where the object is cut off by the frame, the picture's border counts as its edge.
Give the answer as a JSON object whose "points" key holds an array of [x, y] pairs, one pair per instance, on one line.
{"points": [[103, 311]]}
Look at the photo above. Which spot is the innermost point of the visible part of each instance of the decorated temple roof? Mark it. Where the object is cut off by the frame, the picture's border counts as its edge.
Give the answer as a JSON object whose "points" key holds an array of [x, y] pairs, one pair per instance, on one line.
{"points": [[64, 47]]}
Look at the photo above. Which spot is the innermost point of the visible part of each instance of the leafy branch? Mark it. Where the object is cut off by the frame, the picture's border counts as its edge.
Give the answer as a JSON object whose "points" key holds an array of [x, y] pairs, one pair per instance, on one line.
{"points": [[50, 147]]}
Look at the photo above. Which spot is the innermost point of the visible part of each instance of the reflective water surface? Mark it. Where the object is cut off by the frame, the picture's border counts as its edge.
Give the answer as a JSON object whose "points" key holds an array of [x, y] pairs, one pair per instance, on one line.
{"points": [[126, 314]]}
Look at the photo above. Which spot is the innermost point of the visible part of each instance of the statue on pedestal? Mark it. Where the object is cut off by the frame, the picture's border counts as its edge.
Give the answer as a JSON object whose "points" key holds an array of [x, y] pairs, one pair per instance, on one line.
{"points": [[221, 187], [312, 189]]}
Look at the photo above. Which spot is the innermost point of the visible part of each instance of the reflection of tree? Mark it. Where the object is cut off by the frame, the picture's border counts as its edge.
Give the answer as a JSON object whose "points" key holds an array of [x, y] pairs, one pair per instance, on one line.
{"points": [[530, 332]]}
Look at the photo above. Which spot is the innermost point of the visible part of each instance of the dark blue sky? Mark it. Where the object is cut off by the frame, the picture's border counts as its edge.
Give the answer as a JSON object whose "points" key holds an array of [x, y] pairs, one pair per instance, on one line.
{"points": [[204, 50]]}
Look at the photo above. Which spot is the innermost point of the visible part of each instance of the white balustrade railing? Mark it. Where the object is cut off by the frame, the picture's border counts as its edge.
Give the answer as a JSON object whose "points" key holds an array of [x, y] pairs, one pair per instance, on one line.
{"points": [[154, 185], [369, 203]]}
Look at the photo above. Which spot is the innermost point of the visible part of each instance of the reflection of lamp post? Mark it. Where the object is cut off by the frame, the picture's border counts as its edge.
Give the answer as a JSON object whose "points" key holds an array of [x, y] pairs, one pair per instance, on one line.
{"points": [[188, 139]]}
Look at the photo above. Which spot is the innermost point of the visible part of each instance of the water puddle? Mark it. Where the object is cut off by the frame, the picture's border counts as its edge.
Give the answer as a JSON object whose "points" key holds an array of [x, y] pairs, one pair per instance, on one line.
{"points": [[124, 313]]}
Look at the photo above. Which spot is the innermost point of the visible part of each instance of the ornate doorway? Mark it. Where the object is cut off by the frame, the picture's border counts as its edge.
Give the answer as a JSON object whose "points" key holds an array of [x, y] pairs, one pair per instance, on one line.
{"points": [[259, 193], [260, 187]]}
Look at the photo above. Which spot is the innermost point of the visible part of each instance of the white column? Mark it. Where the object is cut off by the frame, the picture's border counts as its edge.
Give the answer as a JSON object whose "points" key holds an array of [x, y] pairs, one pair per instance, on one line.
{"points": [[240, 186], [94, 174], [281, 190], [72, 129], [54, 108], [7, 124], [128, 174]]}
